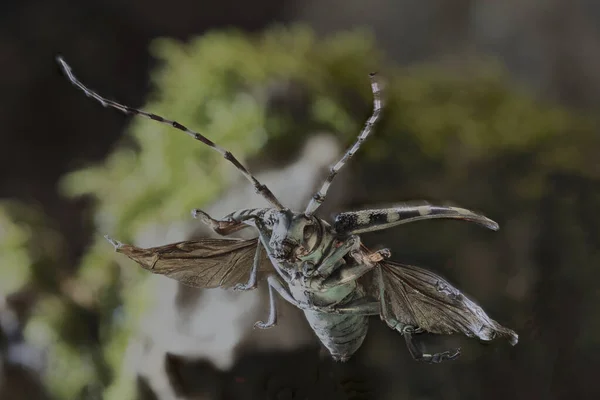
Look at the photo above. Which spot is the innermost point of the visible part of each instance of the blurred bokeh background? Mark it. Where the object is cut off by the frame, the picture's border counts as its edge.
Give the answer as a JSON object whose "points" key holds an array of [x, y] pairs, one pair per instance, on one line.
{"points": [[491, 105]]}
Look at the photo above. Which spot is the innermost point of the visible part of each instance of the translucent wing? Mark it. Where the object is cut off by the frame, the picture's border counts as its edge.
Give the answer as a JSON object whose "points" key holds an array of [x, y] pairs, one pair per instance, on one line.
{"points": [[415, 296], [206, 263]]}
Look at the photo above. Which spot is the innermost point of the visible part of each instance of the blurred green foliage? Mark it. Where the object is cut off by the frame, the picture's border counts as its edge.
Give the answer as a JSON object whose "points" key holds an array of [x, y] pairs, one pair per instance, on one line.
{"points": [[31, 253], [222, 85]]}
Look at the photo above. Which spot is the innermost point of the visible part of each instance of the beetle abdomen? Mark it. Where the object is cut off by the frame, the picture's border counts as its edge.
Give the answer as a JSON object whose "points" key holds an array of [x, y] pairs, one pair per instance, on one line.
{"points": [[341, 334]]}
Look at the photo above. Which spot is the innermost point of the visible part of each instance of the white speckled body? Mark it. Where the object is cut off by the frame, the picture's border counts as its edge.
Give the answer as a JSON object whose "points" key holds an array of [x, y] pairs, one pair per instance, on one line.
{"points": [[341, 334]]}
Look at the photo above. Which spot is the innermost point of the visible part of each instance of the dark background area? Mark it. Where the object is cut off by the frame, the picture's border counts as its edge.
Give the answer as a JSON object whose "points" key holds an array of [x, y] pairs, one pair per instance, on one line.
{"points": [[550, 48]]}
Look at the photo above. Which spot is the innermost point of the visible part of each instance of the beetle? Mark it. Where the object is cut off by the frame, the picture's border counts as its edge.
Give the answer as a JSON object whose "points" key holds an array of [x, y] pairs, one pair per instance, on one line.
{"points": [[321, 267]]}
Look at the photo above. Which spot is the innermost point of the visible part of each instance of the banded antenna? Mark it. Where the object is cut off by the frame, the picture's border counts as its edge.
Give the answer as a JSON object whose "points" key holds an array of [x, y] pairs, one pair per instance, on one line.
{"points": [[261, 189], [320, 196]]}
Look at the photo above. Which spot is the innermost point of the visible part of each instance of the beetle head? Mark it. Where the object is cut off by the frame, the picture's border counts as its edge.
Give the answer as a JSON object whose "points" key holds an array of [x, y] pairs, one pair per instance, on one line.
{"points": [[294, 235]]}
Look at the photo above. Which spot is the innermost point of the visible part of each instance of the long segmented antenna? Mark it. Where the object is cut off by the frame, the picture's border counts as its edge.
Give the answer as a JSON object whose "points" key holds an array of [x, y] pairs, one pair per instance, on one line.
{"points": [[320, 196], [261, 189]]}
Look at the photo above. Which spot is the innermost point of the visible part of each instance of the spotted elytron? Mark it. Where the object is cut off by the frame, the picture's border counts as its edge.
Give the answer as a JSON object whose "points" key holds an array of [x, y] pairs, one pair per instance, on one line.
{"points": [[321, 267]]}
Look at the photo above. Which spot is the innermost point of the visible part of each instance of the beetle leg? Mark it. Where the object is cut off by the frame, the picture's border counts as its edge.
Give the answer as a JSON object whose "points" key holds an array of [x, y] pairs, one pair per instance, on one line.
{"points": [[345, 273], [418, 355], [329, 264], [252, 280], [275, 285]]}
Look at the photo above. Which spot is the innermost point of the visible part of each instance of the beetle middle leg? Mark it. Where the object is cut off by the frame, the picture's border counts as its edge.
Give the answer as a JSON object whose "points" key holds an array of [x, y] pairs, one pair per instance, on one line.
{"points": [[275, 285]]}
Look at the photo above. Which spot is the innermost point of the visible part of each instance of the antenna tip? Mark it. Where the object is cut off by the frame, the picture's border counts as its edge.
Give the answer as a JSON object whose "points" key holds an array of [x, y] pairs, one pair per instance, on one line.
{"points": [[491, 224]]}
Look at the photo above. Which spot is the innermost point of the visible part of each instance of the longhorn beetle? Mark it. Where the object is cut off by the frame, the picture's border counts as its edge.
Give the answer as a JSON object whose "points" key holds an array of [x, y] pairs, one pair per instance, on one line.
{"points": [[319, 267]]}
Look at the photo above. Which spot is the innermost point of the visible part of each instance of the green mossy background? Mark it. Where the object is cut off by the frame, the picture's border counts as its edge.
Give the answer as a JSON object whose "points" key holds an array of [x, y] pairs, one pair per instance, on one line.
{"points": [[470, 137]]}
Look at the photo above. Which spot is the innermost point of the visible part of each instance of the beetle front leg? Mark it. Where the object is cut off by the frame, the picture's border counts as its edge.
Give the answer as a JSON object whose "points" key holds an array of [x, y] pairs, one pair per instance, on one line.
{"points": [[276, 285], [329, 264], [253, 279], [347, 273]]}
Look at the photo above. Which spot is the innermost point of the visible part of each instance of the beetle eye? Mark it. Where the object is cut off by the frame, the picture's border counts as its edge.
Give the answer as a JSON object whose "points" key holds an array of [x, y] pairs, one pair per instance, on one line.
{"points": [[309, 230]]}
